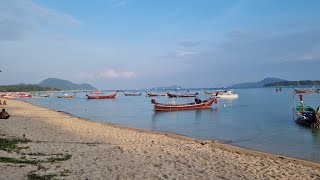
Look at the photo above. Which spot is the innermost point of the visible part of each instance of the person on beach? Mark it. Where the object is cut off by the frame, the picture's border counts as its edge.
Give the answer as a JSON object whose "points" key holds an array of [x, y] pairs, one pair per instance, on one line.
{"points": [[4, 102], [4, 114]]}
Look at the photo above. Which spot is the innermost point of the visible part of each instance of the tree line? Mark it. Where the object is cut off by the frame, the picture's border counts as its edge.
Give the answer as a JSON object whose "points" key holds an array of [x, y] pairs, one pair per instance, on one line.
{"points": [[24, 88], [294, 83]]}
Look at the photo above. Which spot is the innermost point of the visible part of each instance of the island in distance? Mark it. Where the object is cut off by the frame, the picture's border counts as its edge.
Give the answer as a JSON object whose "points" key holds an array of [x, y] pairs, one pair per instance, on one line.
{"points": [[64, 84]]}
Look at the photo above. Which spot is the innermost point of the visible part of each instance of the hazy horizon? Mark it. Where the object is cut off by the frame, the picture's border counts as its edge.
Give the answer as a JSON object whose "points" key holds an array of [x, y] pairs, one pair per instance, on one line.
{"points": [[126, 44]]}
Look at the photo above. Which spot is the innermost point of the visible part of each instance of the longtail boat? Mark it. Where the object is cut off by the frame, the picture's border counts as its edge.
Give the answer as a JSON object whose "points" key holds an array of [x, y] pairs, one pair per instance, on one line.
{"points": [[111, 96], [150, 94], [181, 95], [214, 92], [132, 94], [306, 90], [67, 96], [307, 115], [96, 92], [198, 104]]}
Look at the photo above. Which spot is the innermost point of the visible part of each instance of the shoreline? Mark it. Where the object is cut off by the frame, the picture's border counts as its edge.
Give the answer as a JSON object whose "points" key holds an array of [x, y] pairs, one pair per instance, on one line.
{"points": [[228, 147], [182, 151]]}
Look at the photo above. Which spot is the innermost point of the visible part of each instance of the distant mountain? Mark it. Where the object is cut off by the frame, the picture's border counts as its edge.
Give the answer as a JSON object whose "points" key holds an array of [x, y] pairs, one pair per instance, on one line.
{"points": [[64, 84], [168, 87], [294, 83], [256, 84]]}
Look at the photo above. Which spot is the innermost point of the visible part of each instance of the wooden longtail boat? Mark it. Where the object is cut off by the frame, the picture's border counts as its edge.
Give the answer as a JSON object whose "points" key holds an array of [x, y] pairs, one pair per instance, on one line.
{"points": [[150, 94], [306, 90], [214, 92], [206, 104], [307, 115], [181, 95], [132, 94], [111, 96], [67, 96], [96, 92]]}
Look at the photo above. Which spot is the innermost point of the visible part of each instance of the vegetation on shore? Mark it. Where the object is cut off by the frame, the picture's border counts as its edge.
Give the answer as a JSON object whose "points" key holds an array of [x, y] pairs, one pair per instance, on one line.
{"points": [[33, 176], [294, 83], [25, 87], [11, 145]]}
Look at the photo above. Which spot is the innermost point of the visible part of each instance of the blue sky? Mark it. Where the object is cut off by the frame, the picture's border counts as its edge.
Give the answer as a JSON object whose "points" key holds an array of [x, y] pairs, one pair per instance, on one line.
{"points": [[128, 44]]}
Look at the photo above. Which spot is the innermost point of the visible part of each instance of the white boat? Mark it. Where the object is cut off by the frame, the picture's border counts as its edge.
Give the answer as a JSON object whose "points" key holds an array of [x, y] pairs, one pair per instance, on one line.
{"points": [[228, 95]]}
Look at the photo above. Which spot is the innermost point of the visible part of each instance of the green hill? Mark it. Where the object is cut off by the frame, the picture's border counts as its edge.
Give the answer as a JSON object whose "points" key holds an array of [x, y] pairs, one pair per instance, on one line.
{"points": [[258, 84], [64, 84]]}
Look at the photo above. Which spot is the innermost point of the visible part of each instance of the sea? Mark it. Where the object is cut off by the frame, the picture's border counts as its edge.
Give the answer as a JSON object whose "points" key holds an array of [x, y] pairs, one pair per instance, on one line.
{"points": [[260, 119]]}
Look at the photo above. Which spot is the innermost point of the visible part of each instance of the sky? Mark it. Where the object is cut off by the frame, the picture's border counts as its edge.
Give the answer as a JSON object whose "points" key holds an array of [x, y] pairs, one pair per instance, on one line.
{"points": [[131, 44]]}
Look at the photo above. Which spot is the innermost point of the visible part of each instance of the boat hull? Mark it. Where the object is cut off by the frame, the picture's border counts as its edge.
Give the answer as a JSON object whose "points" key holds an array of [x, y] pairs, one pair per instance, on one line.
{"points": [[153, 95], [307, 91], [71, 96], [181, 107], [214, 92], [111, 96], [96, 92], [181, 95], [305, 115], [232, 96], [131, 94]]}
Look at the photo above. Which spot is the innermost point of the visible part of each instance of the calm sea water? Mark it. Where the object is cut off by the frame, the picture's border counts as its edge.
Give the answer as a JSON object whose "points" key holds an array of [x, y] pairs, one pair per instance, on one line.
{"points": [[260, 119]]}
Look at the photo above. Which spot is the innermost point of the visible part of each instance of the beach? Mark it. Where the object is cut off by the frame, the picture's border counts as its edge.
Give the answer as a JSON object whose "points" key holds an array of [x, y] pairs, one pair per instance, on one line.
{"points": [[105, 151]]}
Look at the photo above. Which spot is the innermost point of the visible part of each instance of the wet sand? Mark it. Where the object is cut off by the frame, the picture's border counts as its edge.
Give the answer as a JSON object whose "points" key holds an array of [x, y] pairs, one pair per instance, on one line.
{"points": [[105, 151]]}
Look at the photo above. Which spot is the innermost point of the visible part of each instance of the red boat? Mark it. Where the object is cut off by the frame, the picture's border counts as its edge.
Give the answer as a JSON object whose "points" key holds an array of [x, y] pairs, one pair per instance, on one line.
{"points": [[132, 94], [96, 92], [306, 90], [198, 104], [111, 96], [181, 95], [150, 94]]}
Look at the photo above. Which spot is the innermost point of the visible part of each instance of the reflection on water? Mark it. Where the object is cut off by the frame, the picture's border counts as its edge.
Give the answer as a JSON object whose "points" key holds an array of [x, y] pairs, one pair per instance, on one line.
{"points": [[259, 119], [195, 117]]}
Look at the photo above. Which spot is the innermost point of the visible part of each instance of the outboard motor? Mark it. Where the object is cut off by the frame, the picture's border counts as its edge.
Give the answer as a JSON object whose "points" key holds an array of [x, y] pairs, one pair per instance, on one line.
{"points": [[153, 101]]}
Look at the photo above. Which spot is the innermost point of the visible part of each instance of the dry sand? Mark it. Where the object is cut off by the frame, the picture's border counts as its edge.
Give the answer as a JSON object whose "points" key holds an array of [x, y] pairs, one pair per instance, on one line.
{"points": [[104, 151]]}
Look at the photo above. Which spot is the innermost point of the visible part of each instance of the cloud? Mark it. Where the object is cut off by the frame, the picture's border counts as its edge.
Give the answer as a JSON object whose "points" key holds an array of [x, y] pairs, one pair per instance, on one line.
{"points": [[119, 3], [185, 52], [266, 47], [237, 32], [252, 57], [306, 56], [129, 74], [112, 74], [189, 44], [18, 17], [185, 49]]}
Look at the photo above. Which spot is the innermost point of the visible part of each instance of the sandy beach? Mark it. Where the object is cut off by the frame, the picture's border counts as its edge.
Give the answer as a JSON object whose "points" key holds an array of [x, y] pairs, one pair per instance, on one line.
{"points": [[105, 151]]}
